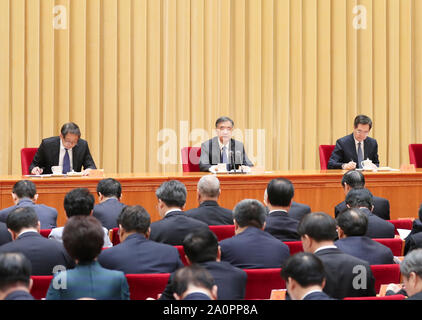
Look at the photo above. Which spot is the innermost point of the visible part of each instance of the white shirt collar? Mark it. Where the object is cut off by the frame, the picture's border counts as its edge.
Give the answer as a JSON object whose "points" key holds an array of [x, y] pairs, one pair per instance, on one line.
{"points": [[171, 210], [222, 145], [325, 247]]}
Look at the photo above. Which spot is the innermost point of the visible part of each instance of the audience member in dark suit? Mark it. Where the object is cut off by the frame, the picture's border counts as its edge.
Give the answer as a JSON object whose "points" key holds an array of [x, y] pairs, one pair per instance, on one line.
{"points": [[194, 283], [83, 239], [352, 225], [201, 248], [251, 247], [43, 254], [305, 277], [207, 193], [353, 179], [298, 210], [5, 235], [67, 150], [363, 200], [223, 149], [278, 199], [346, 276], [24, 194], [109, 193], [352, 149], [15, 277], [175, 224], [135, 253], [78, 202], [414, 239]]}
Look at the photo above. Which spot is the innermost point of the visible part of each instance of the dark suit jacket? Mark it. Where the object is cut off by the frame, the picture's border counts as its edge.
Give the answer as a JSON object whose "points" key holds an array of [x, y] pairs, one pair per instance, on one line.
{"points": [[174, 227], [345, 151], [43, 253], [253, 249], [196, 296], [47, 215], [138, 255], [231, 281], [211, 213], [299, 210], [318, 296], [93, 281], [49, 151], [381, 208], [377, 227], [414, 239], [282, 226], [19, 295], [417, 296], [366, 249], [210, 154], [5, 235], [107, 212], [340, 275]]}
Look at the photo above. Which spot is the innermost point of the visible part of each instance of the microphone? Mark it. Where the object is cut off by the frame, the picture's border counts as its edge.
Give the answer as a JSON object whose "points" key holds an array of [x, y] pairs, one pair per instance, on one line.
{"points": [[232, 160], [241, 160]]}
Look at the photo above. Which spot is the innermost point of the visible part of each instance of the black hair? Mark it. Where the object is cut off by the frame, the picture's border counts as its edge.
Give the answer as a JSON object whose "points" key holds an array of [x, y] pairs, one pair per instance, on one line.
{"points": [[305, 268], [134, 218], [354, 179], [78, 201], [280, 192], [172, 193], [319, 226], [362, 119], [71, 128], [24, 189], [201, 246], [357, 198], [353, 222], [20, 218], [15, 269], [109, 188], [193, 274], [223, 119]]}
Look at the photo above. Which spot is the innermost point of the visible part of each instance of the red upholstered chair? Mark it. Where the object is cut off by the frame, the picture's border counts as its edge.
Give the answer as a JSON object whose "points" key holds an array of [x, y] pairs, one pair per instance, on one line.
{"points": [[143, 286], [294, 246], [223, 231], [261, 282], [27, 154], [40, 286], [114, 236], [385, 274], [415, 154], [182, 255], [45, 232], [392, 297], [325, 151], [396, 245], [402, 224], [190, 159]]}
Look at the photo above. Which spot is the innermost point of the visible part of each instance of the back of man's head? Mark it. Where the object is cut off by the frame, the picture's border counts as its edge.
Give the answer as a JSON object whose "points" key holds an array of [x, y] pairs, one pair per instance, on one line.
{"points": [[134, 219], [201, 246], [173, 193], [22, 218], [209, 186], [193, 276], [78, 201], [109, 188], [318, 226], [305, 268], [24, 189], [15, 269], [249, 213], [353, 222], [354, 179], [358, 198], [280, 192]]}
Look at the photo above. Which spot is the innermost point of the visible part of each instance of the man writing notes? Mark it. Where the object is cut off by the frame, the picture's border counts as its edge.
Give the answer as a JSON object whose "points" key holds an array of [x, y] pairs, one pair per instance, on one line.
{"points": [[354, 148], [67, 150], [223, 149]]}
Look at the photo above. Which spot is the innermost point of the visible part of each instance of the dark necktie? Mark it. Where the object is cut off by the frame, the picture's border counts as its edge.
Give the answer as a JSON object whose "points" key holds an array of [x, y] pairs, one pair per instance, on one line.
{"points": [[360, 155], [66, 162], [224, 155]]}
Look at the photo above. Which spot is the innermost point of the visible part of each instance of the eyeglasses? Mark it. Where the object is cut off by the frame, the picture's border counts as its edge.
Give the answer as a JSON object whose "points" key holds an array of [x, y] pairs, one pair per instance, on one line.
{"points": [[222, 128], [358, 131]]}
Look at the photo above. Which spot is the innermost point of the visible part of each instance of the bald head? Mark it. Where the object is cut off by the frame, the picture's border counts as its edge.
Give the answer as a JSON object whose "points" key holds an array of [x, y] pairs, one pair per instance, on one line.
{"points": [[209, 187]]}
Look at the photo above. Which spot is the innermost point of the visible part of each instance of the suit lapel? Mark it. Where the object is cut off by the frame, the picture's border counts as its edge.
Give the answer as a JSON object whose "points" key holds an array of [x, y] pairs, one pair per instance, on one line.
{"points": [[353, 147], [215, 151], [56, 152], [75, 150]]}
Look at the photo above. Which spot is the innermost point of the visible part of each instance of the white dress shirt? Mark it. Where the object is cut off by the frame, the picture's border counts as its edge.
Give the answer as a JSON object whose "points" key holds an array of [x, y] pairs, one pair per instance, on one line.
{"points": [[63, 152]]}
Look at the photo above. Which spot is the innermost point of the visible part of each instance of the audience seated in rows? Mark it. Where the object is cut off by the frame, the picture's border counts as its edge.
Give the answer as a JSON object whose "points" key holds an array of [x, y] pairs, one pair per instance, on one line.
{"points": [[251, 247], [83, 239], [352, 225], [78, 202], [43, 253], [346, 276], [109, 193], [354, 179], [305, 276], [362, 199], [414, 239], [201, 248], [5, 235], [24, 194], [278, 199], [135, 253], [207, 194], [175, 224], [194, 283], [15, 277]]}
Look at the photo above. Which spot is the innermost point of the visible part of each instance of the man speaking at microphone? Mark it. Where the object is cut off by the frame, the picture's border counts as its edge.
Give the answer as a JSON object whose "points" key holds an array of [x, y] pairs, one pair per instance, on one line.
{"points": [[224, 149]]}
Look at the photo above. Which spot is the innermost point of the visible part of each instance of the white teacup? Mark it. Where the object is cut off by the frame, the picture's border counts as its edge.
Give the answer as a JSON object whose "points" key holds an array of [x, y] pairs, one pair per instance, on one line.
{"points": [[222, 167], [367, 164], [57, 169]]}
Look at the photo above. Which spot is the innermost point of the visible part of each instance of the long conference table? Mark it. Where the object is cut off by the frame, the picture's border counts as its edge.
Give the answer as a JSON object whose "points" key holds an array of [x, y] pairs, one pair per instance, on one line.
{"points": [[320, 189]]}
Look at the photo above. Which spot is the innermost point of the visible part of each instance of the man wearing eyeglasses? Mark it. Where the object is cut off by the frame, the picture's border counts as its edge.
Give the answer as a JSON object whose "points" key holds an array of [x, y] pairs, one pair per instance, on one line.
{"points": [[67, 150], [354, 148], [223, 149]]}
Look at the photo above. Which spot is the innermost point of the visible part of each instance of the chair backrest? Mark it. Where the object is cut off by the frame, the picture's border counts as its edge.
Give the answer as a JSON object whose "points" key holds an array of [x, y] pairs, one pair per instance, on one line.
{"points": [[415, 154], [294, 246], [190, 159], [143, 286], [27, 154], [182, 255], [261, 282], [385, 274], [396, 245], [325, 151], [392, 297], [402, 224], [115, 237], [223, 231], [45, 232], [40, 286]]}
